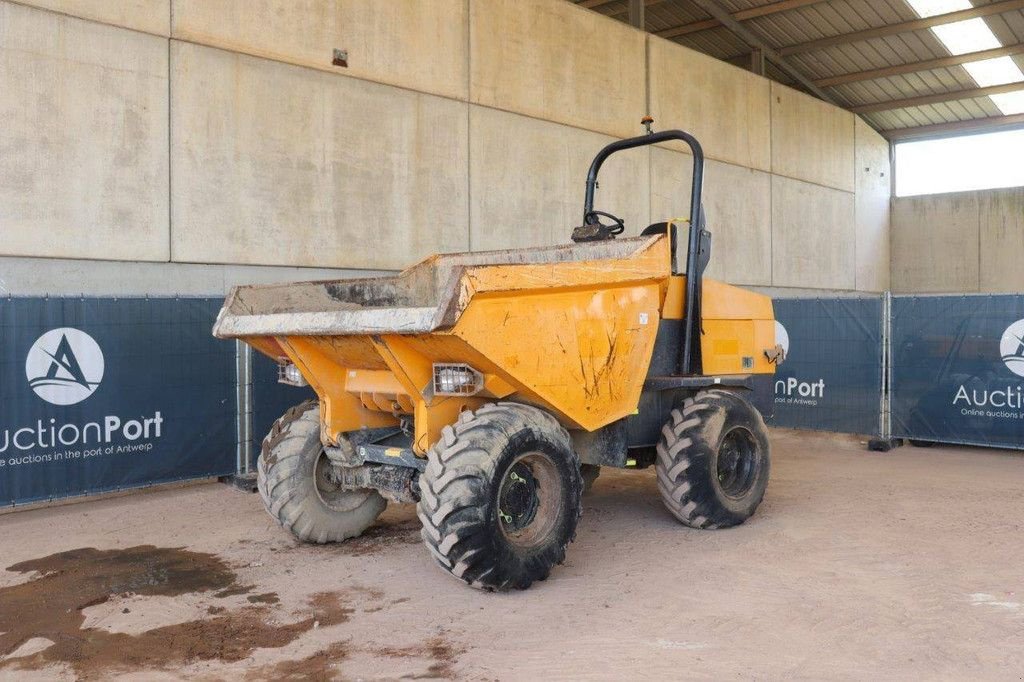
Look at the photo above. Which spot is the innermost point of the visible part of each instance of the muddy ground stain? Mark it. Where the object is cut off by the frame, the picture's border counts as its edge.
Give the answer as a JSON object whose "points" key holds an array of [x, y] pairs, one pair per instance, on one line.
{"points": [[381, 537], [51, 606]]}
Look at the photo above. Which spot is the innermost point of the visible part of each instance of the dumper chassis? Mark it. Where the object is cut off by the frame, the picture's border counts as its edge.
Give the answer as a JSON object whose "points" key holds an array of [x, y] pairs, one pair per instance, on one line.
{"points": [[490, 388]]}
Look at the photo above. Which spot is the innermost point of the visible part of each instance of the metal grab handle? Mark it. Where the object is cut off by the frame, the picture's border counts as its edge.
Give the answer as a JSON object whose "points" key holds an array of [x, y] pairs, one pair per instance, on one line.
{"points": [[686, 364]]}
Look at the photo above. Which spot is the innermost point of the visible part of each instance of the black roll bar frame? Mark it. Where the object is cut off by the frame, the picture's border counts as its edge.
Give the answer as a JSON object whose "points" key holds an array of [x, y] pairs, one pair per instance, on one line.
{"points": [[689, 361]]}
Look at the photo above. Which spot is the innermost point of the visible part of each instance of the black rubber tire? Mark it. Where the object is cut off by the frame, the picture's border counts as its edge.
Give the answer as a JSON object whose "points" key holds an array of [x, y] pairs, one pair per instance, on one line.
{"points": [[459, 496], [589, 474], [921, 443], [287, 481], [688, 457]]}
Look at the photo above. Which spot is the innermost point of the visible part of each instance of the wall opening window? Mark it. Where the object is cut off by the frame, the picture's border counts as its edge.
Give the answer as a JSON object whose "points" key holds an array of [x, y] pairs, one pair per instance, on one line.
{"points": [[959, 164]]}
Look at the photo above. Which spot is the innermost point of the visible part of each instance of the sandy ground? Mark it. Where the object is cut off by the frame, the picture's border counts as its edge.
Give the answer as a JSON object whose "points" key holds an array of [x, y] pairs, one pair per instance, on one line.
{"points": [[858, 565]]}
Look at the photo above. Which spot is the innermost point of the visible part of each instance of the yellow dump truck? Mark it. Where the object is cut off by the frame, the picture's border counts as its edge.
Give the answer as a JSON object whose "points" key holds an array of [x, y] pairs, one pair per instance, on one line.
{"points": [[490, 388]]}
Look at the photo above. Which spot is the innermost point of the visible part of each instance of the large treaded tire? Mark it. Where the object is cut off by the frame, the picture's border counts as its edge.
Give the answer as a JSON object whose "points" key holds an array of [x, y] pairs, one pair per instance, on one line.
{"points": [[689, 478], [287, 481], [467, 472]]}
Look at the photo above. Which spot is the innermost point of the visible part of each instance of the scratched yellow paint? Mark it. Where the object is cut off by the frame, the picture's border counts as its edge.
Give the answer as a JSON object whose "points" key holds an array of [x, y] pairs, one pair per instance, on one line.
{"points": [[582, 352]]}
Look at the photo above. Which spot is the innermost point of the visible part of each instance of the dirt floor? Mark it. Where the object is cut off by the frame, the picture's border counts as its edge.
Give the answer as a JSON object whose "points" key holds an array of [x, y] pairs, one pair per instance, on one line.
{"points": [[897, 565]]}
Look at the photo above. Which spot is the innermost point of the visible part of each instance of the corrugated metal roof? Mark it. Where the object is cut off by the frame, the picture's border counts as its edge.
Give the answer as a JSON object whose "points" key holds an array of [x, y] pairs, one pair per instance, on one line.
{"points": [[828, 18]]}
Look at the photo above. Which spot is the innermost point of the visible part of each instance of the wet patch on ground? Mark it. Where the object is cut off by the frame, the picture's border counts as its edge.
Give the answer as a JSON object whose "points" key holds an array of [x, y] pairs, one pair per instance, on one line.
{"points": [[50, 607], [442, 654], [437, 656], [382, 536], [266, 598], [320, 665], [234, 591]]}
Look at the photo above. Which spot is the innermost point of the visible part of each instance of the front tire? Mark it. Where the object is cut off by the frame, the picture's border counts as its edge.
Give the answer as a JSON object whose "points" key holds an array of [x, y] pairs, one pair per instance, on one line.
{"points": [[500, 498], [713, 460], [294, 476]]}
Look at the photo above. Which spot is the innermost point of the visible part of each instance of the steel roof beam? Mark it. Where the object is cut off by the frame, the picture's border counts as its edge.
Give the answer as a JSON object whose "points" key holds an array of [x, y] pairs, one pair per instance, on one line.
{"points": [[972, 126], [752, 40], [636, 14], [625, 12], [904, 27], [924, 65], [742, 15], [921, 100]]}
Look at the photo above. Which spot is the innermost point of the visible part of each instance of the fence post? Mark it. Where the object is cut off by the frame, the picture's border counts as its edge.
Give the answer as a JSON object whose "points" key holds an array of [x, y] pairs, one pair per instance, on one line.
{"points": [[886, 414], [243, 415], [885, 441]]}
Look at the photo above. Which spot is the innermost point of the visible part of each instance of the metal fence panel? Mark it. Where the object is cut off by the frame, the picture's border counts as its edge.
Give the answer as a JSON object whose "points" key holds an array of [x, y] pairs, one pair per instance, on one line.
{"points": [[104, 394], [831, 379], [958, 369]]}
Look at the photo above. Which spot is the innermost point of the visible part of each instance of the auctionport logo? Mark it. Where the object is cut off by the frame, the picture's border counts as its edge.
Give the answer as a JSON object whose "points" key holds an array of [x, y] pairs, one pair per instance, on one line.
{"points": [[1002, 402], [1011, 347], [64, 366]]}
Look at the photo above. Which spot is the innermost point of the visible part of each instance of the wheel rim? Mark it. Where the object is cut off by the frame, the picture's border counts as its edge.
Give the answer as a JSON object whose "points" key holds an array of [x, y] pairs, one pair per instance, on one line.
{"points": [[737, 463], [331, 491], [529, 500]]}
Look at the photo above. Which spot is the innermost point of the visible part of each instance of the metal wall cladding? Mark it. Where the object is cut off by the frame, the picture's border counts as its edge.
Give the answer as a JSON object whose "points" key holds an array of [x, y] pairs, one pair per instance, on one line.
{"points": [[831, 379], [104, 394], [958, 369]]}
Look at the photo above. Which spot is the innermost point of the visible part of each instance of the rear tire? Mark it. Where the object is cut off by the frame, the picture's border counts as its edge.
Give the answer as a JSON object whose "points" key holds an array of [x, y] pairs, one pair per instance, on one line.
{"points": [[713, 460], [295, 482], [500, 498]]}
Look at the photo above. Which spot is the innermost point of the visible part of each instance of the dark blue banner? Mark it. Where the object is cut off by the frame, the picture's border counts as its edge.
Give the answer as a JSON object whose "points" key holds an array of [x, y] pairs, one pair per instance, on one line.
{"points": [[958, 369], [103, 394], [831, 379]]}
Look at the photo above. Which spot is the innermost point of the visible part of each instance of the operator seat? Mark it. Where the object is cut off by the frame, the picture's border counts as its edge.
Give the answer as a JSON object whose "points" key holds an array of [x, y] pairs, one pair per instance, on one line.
{"points": [[660, 228]]}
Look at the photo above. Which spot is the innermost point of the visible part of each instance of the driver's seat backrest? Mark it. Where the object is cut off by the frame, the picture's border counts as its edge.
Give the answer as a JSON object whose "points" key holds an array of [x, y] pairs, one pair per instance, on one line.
{"points": [[659, 228]]}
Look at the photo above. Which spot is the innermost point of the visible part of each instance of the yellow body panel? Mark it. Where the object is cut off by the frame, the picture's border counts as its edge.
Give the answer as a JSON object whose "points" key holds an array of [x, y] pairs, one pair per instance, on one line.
{"points": [[575, 337], [581, 352]]}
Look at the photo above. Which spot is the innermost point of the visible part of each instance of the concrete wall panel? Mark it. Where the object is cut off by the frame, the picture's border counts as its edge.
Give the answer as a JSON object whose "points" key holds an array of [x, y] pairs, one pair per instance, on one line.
{"points": [[813, 240], [726, 108], [811, 140], [737, 202], [935, 243], [55, 277], [1002, 240], [418, 44], [151, 16], [558, 62], [874, 182], [528, 179], [83, 138], [291, 166]]}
